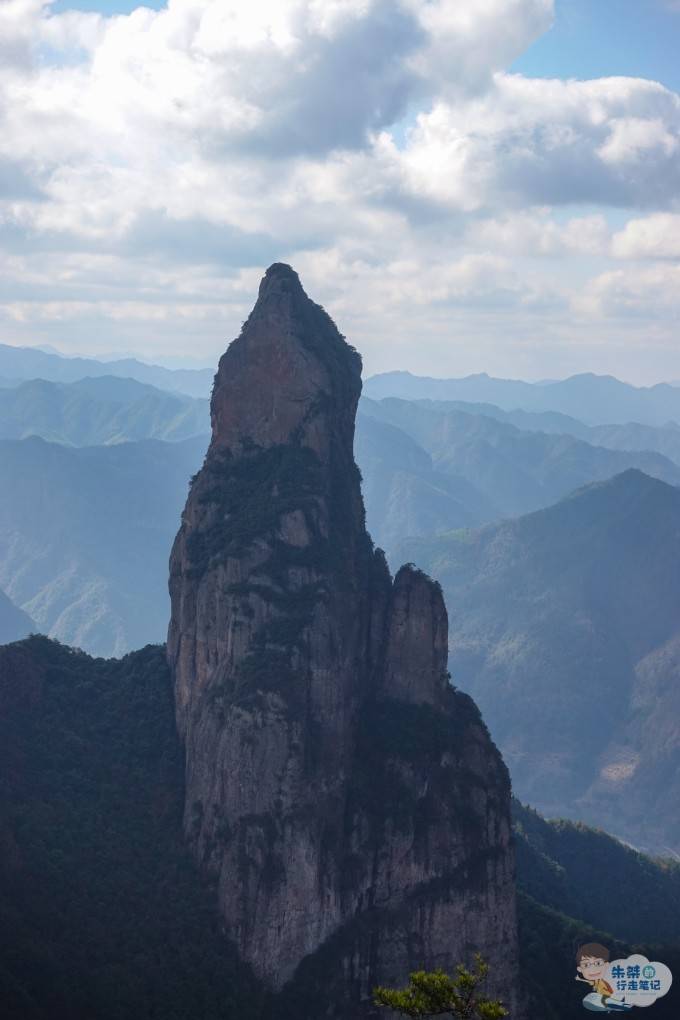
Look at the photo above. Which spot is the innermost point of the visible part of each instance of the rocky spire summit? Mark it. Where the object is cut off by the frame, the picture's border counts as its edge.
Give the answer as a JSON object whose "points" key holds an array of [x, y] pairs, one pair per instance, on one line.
{"points": [[288, 360], [348, 803]]}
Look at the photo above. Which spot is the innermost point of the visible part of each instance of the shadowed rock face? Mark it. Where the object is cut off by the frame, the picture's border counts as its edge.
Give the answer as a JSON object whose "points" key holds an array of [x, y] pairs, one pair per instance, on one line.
{"points": [[346, 799]]}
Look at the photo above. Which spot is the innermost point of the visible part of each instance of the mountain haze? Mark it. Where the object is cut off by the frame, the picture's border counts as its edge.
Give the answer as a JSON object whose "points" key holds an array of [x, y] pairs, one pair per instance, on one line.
{"points": [[488, 468], [21, 363], [593, 399], [85, 534], [99, 411], [425, 469], [14, 623], [565, 627], [405, 494], [664, 439]]}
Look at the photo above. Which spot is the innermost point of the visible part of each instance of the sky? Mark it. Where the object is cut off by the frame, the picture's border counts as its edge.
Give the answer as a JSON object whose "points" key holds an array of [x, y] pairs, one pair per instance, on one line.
{"points": [[465, 185]]}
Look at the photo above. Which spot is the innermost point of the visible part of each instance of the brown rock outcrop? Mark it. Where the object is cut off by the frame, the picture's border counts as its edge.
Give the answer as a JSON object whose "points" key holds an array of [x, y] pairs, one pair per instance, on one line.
{"points": [[348, 802]]}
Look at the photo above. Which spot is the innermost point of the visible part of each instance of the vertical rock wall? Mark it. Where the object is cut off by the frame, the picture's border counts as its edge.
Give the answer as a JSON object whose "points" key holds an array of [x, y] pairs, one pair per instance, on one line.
{"points": [[348, 802]]}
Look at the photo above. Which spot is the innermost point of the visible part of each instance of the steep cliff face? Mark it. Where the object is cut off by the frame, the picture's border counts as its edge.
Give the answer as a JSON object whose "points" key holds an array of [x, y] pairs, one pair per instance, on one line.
{"points": [[347, 801]]}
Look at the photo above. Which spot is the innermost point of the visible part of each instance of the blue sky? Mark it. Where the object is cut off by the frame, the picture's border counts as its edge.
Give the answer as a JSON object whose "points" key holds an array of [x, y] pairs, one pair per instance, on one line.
{"points": [[103, 6], [454, 213], [594, 38]]}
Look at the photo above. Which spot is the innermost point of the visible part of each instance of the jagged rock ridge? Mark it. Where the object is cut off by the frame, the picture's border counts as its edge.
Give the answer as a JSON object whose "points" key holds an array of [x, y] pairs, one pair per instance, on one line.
{"points": [[337, 787]]}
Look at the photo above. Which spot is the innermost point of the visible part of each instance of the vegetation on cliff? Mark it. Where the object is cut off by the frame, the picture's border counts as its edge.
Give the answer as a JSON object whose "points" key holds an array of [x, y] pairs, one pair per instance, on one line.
{"points": [[434, 993], [104, 914]]}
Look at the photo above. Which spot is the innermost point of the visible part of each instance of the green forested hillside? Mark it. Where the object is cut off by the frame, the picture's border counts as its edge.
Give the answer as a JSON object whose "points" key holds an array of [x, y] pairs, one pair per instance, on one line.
{"points": [[103, 916], [565, 628], [586, 873], [576, 885], [548, 942]]}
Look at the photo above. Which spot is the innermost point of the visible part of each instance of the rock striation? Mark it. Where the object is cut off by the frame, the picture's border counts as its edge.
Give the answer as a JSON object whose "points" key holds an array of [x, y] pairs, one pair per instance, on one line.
{"points": [[347, 801]]}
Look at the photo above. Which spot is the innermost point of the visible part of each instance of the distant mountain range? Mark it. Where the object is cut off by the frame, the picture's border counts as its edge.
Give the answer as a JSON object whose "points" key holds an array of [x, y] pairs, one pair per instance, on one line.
{"points": [[432, 467], [14, 623], [427, 468], [664, 439], [22, 363], [99, 411], [85, 536], [404, 493], [593, 399], [565, 628]]}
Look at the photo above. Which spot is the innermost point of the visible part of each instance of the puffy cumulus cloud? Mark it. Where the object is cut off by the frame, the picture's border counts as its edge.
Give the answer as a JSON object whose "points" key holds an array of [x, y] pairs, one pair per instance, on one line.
{"points": [[613, 141], [152, 164], [465, 43], [650, 237], [651, 293], [276, 77]]}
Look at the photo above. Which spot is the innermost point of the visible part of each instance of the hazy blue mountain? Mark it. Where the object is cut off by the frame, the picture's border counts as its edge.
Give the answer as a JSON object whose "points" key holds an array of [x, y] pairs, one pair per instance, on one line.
{"points": [[593, 399], [565, 628], [99, 411], [14, 623], [441, 470], [479, 388], [85, 536], [497, 469], [404, 494], [32, 363], [664, 439], [633, 436], [527, 421]]}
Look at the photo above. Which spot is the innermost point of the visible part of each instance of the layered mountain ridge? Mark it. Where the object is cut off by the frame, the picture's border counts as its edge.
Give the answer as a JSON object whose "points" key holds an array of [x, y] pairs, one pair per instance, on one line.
{"points": [[340, 792], [20, 363], [565, 630], [594, 399]]}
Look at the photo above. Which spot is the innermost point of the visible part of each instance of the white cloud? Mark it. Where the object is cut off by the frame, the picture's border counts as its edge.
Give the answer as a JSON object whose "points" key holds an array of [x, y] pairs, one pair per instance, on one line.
{"points": [[536, 233], [650, 237], [158, 161], [464, 45], [632, 138], [530, 140], [649, 293]]}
